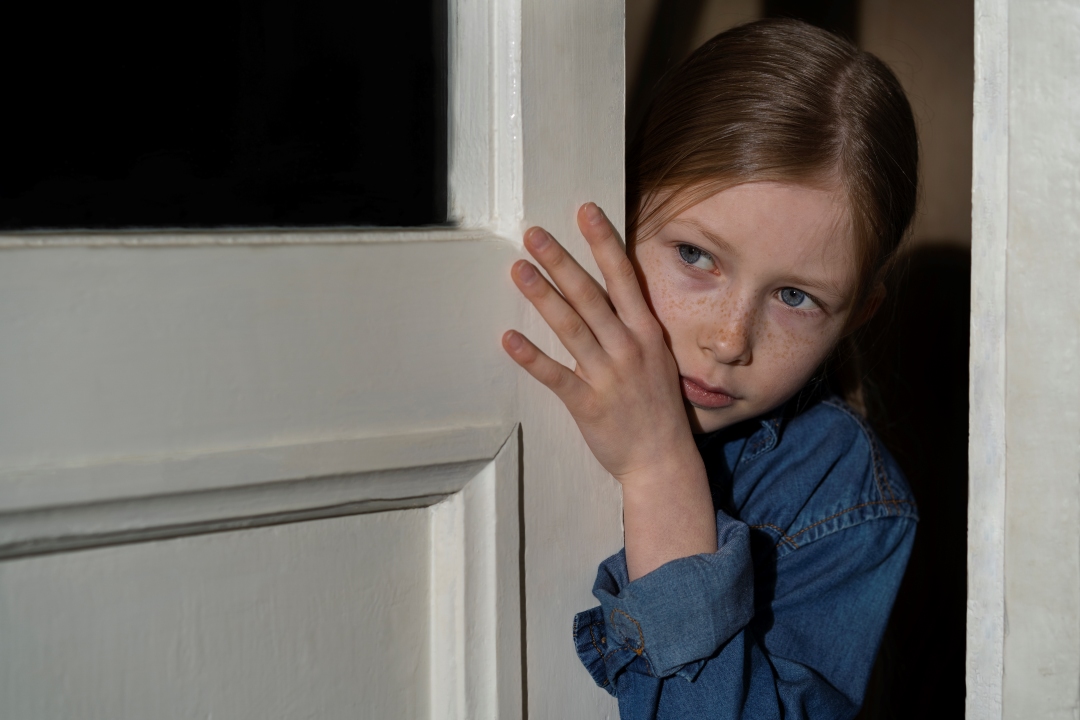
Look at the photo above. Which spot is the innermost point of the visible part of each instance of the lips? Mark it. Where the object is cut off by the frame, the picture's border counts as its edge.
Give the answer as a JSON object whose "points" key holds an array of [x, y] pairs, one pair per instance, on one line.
{"points": [[704, 396]]}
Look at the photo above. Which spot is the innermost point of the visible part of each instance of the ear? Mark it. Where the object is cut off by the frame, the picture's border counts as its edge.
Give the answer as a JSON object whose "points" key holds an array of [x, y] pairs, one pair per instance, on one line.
{"points": [[870, 307]]}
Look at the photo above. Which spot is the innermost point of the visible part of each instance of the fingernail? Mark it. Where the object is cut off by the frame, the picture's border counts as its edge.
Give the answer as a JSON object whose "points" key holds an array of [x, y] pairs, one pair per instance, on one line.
{"points": [[513, 340], [527, 273], [593, 213], [538, 239]]}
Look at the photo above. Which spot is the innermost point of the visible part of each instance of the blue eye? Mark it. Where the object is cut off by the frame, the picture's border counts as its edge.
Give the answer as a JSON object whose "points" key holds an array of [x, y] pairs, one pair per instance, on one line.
{"points": [[795, 298], [696, 257], [689, 253]]}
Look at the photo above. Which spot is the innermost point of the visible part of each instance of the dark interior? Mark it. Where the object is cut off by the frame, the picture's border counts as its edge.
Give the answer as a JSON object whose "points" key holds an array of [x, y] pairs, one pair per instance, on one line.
{"points": [[234, 113]]}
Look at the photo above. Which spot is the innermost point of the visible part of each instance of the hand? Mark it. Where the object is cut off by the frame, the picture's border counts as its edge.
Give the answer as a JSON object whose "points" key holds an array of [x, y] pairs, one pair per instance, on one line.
{"points": [[624, 392]]}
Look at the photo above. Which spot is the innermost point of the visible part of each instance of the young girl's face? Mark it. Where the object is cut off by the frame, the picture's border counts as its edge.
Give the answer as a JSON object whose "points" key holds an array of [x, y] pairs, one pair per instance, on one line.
{"points": [[753, 287]]}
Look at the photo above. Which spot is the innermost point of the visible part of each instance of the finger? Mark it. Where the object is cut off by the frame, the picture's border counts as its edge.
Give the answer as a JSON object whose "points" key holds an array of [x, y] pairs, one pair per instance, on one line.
{"points": [[579, 288], [575, 335], [555, 376], [615, 266]]}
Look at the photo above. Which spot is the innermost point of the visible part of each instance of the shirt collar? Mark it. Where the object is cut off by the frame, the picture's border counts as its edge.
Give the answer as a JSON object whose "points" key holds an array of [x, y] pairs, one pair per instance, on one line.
{"points": [[763, 432]]}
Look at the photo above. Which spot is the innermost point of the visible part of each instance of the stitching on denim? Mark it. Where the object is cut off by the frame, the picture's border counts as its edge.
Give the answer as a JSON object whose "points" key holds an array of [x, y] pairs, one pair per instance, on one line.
{"points": [[854, 507], [784, 535], [633, 650], [604, 657], [592, 639], [641, 636], [880, 476], [760, 447]]}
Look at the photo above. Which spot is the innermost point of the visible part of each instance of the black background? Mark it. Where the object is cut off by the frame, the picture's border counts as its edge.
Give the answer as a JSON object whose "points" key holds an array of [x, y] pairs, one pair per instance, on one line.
{"points": [[227, 113]]}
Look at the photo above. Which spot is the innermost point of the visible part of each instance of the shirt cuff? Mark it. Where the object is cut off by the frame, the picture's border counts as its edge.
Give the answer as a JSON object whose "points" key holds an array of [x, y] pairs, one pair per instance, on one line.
{"points": [[675, 617]]}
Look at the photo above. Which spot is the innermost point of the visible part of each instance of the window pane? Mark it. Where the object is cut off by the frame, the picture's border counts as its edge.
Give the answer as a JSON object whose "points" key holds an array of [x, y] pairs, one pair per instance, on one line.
{"points": [[286, 113]]}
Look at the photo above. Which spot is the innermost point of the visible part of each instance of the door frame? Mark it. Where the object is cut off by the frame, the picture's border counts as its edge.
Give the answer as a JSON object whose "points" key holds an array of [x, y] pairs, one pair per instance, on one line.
{"points": [[1023, 623]]}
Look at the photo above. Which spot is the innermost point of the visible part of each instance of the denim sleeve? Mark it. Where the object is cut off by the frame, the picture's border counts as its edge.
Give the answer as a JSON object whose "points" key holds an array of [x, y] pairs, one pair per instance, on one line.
{"points": [[674, 617], [806, 654]]}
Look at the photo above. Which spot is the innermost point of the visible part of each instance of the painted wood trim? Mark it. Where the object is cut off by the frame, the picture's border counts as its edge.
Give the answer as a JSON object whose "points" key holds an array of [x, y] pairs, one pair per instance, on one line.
{"points": [[74, 508], [78, 527], [42, 488], [986, 453], [469, 112], [239, 237], [475, 623], [507, 696], [507, 121], [486, 148]]}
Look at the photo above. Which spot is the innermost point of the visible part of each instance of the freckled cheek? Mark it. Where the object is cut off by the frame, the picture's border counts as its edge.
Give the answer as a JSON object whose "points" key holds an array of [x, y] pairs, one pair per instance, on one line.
{"points": [[796, 343], [678, 304]]}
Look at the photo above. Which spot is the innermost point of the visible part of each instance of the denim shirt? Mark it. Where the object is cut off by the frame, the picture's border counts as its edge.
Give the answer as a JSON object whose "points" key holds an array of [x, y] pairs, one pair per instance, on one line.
{"points": [[814, 526]]}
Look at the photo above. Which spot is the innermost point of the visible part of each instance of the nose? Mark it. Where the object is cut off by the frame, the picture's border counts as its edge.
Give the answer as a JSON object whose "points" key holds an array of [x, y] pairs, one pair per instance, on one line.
{"points": [[732, 339]]}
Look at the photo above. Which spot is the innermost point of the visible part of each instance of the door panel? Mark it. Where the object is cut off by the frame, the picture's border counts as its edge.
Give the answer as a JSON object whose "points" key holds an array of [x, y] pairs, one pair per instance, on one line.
{"points": [[409, 613], [116, 353], [324, 619]]}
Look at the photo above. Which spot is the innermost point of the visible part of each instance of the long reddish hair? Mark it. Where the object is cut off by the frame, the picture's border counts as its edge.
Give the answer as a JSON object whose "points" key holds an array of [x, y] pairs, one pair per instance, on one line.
{"points": [[781, 100]]}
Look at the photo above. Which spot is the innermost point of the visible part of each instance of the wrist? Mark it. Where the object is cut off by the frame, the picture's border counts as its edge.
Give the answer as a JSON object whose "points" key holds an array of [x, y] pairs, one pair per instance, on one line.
{"points": [[679, 465], [667, 513], [669, 489]]}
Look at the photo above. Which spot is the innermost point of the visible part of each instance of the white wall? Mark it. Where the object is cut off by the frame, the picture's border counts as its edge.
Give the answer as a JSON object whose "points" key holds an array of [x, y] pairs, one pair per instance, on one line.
{"points": [[1042, 533], [1024, 515]]}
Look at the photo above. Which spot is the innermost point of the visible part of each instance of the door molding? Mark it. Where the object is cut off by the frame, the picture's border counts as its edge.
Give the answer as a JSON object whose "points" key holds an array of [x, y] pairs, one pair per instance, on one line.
{"points": [[52, 510], [986, 402]]}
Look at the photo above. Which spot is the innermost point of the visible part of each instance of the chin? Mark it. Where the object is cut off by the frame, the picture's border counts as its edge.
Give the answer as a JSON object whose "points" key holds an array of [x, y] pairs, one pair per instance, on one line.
{"points": [[707, 420]]}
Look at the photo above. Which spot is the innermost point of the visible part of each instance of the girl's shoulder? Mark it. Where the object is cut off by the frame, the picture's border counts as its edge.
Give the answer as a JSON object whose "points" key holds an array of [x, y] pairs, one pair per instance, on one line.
{"points": [[802, 476]]}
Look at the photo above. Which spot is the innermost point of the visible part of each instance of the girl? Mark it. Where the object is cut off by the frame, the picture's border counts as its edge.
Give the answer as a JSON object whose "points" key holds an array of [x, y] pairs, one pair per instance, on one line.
{"points": [[766, 530]]}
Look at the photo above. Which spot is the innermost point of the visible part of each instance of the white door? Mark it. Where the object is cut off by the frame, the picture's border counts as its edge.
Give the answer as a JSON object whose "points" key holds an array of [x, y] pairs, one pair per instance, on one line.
{"points": [[292, 474]]}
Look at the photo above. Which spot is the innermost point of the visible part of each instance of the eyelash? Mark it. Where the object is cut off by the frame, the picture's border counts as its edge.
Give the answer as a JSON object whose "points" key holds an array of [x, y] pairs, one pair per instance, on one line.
{"points": [[806, 295], [681, 247], [693, 249]]}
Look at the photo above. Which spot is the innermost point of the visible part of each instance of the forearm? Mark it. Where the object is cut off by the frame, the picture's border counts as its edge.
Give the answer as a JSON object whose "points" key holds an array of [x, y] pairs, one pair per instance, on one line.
{"points": [[668, 514]]}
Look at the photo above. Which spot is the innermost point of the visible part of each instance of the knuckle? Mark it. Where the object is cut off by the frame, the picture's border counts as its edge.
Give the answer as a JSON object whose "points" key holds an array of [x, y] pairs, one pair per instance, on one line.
{"points": [[646, 328], [551, 377], [556, 256], [590, 408], [625, 269], [574, 327], [590, 294], [630, 353], [651, 331]]}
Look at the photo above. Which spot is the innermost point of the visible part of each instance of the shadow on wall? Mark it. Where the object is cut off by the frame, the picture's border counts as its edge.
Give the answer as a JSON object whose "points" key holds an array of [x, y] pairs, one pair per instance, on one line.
{"points": [[916, 356], [916, 350], [660, 33]]}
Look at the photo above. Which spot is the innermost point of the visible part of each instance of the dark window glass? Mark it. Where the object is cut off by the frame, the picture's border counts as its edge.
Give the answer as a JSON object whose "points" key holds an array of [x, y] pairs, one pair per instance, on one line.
{"points": [[291, 113]]}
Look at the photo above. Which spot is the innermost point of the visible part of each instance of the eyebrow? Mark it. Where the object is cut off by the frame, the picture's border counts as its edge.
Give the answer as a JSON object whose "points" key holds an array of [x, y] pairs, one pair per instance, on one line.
{"points": [[725, 246], [712, 237], [828, 287]]}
